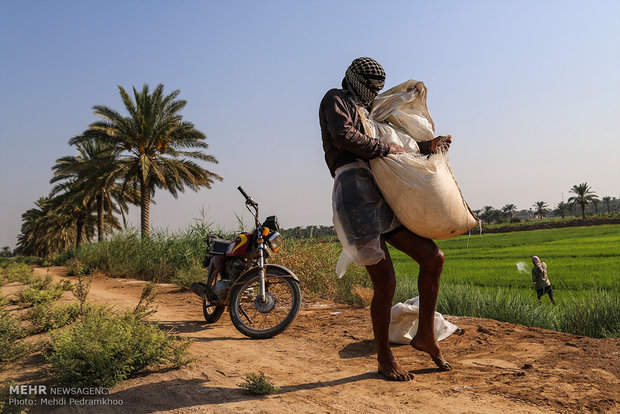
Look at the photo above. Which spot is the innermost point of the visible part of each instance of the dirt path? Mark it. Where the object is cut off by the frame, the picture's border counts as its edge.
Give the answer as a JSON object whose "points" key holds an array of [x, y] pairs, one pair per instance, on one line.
{"points": [[324, 364]]}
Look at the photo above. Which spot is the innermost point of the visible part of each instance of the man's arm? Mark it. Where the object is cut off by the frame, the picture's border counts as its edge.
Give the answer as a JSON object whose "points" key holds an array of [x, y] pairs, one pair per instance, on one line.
{"points": [[339, 122]]}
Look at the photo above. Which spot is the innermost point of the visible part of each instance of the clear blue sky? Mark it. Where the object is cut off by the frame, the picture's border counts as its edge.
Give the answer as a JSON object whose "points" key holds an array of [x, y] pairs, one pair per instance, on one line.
{"points": [[529, 90]]}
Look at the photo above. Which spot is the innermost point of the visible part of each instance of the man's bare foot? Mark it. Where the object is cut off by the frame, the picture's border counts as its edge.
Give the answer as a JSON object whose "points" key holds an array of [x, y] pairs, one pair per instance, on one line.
{"points": [[393, 371], [431, 348], [442, 363]]}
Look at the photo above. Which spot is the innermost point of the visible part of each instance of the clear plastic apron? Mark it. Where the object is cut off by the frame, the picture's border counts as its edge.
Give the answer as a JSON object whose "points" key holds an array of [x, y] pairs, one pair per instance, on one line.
{"points": [[361, 215]]}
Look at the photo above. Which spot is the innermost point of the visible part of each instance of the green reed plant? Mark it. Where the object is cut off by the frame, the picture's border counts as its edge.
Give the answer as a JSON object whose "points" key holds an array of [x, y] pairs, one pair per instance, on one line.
{"points": [[314, 262], [158, 258]]}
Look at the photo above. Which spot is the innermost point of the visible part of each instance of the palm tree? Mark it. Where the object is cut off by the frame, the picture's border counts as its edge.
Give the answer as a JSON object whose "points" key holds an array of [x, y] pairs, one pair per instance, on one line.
{"points": [[157, 146], [583, 195], [541, 209], [95, 170], [50, 227], [489, 214], [607, 202], [509, 210], [73, 204], [596, 202], [562, 209]]}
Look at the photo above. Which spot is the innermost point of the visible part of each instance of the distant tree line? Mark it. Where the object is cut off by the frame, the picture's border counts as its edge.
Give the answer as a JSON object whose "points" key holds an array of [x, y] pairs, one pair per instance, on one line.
{"points": [[309, 232], [583, 202], [120, 161]]}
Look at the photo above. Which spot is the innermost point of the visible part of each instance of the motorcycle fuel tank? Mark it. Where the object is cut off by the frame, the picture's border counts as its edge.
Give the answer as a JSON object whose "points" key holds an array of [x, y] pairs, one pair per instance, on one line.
{"points": [[239, 246]]}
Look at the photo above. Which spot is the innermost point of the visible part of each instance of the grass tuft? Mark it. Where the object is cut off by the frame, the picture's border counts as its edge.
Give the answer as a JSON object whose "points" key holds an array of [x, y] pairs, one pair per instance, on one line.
{"points": [[258, 384]]}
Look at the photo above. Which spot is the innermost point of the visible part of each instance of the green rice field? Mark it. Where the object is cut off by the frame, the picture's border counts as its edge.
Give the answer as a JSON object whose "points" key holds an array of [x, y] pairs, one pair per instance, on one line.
{"points": [[481, 278]]}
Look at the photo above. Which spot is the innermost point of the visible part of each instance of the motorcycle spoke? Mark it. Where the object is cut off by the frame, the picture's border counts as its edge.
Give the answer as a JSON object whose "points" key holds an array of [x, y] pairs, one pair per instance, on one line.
{"points": [[244, 313]]}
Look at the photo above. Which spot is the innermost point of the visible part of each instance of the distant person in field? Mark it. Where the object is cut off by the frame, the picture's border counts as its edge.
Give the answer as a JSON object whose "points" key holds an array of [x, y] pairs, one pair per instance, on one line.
{"points": [[541, 280], [365, 217]]}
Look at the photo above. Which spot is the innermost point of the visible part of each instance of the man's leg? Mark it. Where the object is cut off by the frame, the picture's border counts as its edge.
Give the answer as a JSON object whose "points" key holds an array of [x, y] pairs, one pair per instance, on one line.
{"points": [[540, 293], [550, 292], [430, 259], [384, 283]]}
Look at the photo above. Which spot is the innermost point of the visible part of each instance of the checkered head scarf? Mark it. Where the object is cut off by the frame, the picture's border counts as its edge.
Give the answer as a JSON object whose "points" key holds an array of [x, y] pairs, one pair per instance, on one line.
{"points": [[364, 78]]}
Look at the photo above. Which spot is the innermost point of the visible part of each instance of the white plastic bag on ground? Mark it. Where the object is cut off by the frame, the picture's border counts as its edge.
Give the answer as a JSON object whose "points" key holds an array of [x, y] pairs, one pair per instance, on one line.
{"points": [[404, 323], [421, 190]]}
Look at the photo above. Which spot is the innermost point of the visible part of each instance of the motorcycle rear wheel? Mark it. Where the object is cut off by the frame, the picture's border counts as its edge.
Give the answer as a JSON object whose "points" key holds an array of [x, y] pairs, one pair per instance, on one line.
{"points": [[212, 313], [261, 320]]}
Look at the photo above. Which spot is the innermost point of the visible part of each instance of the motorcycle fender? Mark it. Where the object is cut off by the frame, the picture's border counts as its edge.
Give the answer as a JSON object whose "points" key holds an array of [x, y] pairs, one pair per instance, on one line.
{"points": [[274, 269]]}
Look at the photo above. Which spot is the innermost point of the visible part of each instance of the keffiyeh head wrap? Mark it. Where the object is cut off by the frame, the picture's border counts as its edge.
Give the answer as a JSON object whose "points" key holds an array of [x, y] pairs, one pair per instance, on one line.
{"points": [[364, 78]]}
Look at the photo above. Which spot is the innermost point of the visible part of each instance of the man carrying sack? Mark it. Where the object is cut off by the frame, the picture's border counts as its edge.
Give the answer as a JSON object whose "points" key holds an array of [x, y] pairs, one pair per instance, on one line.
{"points": [[364, 219]]}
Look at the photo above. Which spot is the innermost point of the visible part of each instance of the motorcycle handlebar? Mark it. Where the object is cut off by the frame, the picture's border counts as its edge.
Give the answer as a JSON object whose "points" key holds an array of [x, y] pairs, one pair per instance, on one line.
{"points": [[248, 199]]}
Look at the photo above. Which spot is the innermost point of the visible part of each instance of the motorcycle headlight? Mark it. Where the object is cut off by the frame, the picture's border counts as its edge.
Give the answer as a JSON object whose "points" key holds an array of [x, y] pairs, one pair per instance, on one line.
{"points": [[275, 241]]}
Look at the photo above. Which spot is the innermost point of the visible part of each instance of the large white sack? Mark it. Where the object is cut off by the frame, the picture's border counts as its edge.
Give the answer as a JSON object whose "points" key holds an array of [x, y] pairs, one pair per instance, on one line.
{"points": [[421, 190], [404, 323]]}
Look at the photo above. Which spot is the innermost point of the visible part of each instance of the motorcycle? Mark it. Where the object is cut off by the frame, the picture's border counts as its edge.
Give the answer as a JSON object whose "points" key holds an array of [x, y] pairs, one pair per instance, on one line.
{"points": [[263, 299]]}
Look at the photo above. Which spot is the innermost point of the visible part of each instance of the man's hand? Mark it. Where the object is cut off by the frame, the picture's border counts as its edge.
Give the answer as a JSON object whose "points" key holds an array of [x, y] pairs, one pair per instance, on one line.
{"points": [[396, 149], [441, 143]]}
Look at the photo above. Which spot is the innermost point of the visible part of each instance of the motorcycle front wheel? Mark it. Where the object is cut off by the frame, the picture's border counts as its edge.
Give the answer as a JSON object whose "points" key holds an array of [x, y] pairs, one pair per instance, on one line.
{"points": [[212, 313], [260, 319]]}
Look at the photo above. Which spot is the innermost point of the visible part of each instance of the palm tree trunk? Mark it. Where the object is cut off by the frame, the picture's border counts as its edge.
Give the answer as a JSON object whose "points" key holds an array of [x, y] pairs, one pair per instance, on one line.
{"points": [[100, 217], [145, 204], [583, 211], [124, 219], [78, 232]]}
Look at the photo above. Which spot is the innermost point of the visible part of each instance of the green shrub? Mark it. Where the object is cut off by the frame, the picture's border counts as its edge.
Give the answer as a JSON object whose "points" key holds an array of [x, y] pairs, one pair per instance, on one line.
{"points": [[144, 308], [29, 260], [31, 295], [42, 290], [40, 283], [5, 396], [258, 384], [47, 316], [105, 348], [66, 285], [61, 259], [185, 277], [75, 267], [10, 333], [16, 272]]}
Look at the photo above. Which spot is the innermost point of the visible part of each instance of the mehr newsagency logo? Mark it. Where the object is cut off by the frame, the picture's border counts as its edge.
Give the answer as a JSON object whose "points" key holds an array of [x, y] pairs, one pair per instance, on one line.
{"points": [[42, 395]]}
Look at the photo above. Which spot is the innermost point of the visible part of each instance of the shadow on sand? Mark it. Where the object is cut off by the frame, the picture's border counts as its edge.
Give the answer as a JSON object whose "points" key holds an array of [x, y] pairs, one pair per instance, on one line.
{"points": [[190, 327], [184, 393]]}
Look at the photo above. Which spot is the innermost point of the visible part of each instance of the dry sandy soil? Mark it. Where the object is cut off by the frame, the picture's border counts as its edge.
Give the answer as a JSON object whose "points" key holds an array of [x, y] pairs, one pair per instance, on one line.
{"points": [[325, 362]]}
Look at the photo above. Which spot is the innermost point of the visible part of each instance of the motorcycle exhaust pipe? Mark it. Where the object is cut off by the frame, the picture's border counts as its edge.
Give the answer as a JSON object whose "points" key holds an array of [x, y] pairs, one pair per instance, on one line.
{"points": [[200, 289]]}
